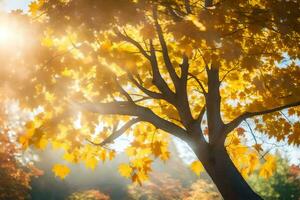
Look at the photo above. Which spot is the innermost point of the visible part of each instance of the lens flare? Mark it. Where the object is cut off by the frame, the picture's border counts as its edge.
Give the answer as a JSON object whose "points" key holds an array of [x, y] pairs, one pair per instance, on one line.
{"points": [[11, 35]]}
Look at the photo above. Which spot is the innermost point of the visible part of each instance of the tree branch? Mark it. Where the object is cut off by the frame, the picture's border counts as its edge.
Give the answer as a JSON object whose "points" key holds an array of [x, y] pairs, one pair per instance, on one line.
{"points": [[184, 69], [128, 97], [165, 52], [187, 6], [129, 109], [199, 82], [236, 122], [158, 81], [152, 94], [213, 105], [117, 133], [133, 42], [201, 114]]}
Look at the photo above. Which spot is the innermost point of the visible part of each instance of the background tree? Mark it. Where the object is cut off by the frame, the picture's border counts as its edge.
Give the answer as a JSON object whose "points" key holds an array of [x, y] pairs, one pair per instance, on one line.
{"points": [[88, 195], [284, 184], [201, 189], [15, 178], [15, 172], [161, 186], [193, 69]]}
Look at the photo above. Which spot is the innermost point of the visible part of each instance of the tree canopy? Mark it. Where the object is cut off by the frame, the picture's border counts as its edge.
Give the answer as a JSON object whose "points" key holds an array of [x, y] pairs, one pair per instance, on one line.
{"points": [[197, 70]]}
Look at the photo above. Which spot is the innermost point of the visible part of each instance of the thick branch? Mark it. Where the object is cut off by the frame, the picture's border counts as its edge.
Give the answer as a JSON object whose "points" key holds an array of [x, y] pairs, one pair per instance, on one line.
{"points": [[201, 114], [184, 69], [213, 105], [182, 103], [165, 52], [151, 94], [158, 81], [129, 109], [199, 83], [119, 132], [236, 122]]}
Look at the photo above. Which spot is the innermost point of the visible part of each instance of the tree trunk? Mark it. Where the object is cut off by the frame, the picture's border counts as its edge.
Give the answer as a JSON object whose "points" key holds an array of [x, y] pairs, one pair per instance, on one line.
{"points": [[225, 175]]}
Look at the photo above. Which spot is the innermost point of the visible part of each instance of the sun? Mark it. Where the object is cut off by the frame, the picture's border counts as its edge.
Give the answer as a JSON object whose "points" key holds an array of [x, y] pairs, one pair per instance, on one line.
{"points": [[11, 35], [5, 34]]}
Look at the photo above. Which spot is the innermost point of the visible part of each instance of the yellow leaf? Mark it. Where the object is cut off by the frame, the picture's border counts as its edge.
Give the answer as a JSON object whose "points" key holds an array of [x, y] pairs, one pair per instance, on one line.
{"points": [[69, 157], [197, 167], [257, 147], [103, 155], [253, 161], [125, 170], [91, 163], [33, 7], [47, 42], [135, 179], [60, 171], [268, 167], [240, 131], [165, 156], [42, 143], [156, 148], [139, 177], [112, 154], [49, 97]]}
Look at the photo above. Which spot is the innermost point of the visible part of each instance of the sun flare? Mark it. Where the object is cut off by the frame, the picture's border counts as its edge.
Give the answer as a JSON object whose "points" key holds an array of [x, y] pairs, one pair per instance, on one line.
{"points": [[11, 35]]}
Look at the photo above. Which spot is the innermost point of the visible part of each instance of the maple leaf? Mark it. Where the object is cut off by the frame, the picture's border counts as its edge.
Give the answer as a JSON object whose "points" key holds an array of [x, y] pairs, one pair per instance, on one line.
{"points": [[240, 131], [91, 162], [112, 154], [268, 167], [125, 170], [235, 140], [253, 161], [103, 155], [33, 7], [156, 148], [258, 147], [135, 179], [197, 167], [61, 171]]}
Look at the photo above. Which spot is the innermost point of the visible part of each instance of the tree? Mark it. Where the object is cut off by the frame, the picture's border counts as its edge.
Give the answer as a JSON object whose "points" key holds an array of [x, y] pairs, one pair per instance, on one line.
{"points": [[161, 186], [203, 190], [166, 66], [15, 174], [14, 179], [88, 195], [284, 184]]}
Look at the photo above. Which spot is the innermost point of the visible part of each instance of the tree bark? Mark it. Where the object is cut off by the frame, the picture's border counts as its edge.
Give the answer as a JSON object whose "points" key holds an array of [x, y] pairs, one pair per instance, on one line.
{"points": [[224, 174]]}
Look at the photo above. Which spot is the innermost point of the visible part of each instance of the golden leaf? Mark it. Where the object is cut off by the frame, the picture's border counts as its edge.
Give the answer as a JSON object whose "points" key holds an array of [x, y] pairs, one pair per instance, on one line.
{"points": [[125, 170], [60, 171], [197, 167]]}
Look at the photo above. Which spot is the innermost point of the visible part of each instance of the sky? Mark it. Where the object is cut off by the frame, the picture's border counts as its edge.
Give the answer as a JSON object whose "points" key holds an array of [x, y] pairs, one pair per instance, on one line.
{"points": [[8, 5]]}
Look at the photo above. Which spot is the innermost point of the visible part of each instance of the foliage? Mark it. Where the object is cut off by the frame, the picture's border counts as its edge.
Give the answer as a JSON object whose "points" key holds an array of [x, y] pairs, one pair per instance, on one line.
{"points": [[15, 176], [160, 186], [284, 184], [88, 195], [201, 189], [147, 68]]}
